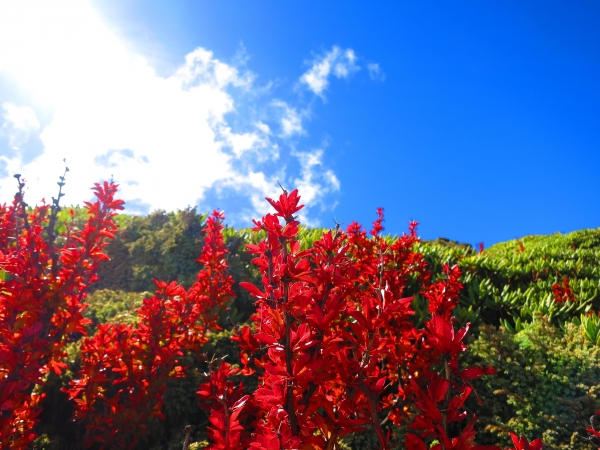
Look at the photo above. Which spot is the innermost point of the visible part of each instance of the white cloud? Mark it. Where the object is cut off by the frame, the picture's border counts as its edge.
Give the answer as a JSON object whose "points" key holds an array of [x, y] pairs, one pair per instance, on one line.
{"points": [[22, 118], [256, 141], [314, 182], [257, 186], [291, 119], [375, 72], [337, 62], [167, 140], [263, 127], [19, 123]]}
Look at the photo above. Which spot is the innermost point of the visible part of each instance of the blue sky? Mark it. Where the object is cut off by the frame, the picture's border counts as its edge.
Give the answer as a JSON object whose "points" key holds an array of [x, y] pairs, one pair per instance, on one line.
{"points": [[480, 120]]}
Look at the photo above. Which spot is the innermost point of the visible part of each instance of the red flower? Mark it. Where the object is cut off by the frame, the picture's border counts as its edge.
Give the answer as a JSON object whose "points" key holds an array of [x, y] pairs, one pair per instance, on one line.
{"points": [[563, 293], [287, 205], [443, 338]]}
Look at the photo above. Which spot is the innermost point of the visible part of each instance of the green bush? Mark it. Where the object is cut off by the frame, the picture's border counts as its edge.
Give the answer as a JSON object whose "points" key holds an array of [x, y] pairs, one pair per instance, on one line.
{"points": [[510, 282], [547, 386], [106, 306], [160, 245]]}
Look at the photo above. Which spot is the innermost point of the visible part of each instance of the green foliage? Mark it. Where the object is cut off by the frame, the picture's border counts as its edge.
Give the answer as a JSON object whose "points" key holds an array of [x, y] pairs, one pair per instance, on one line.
{"points": [[512, 281], [590, 327], [548, 377], [241, 269], [368, 438], [113, 306], [56, 430], [163, 245], [181, 406], [547, 384]]}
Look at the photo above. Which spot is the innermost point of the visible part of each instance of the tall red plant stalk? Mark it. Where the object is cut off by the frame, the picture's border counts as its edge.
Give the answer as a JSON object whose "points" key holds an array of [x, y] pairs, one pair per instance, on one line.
{"points": [[343, 353], [44, 282], [124, 368]]}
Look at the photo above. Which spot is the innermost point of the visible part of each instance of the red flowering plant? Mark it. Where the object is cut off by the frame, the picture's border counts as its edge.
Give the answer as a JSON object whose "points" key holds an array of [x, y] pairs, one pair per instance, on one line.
{"points": [[213, 289], [124, 368], [440, 394], [44, 281], [342, 352], [226, 404], [334, 341], [563, 292]]}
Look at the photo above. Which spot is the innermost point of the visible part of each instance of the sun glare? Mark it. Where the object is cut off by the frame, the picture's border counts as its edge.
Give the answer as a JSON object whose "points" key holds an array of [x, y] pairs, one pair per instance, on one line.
{"points": [[58, 49]]}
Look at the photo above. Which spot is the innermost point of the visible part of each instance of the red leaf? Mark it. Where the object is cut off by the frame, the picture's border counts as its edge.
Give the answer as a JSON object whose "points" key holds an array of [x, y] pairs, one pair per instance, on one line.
{"points": [[254, 291]]}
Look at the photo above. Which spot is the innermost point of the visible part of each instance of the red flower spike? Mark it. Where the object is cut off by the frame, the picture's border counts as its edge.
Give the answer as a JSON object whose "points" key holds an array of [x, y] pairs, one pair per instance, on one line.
{"points": [[563, 293], [46, 291], [226, 406], [377, 225], [287, 205], [336, 330], [139, 359], [443, 338]]}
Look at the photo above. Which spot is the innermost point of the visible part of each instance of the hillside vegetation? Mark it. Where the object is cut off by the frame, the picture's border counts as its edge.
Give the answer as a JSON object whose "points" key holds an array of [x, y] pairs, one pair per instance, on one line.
{"points": [[533, 304]]}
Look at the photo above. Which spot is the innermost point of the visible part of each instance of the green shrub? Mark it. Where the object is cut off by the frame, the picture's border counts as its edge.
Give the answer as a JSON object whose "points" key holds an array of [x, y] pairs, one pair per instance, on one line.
{"points": [[106, 305], [160, 245], [547, 384], [512, 281]]}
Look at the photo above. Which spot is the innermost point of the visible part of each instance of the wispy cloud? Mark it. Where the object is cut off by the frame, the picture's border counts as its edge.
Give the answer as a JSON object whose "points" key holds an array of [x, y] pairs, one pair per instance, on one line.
{"points": [[291, 119], [375, 72], [315, 180], [337, 62]]}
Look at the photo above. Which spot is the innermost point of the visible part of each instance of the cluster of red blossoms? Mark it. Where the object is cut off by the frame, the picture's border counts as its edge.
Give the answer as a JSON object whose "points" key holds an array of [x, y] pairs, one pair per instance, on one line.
{"points": [[563, 292], [333, 341]]}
